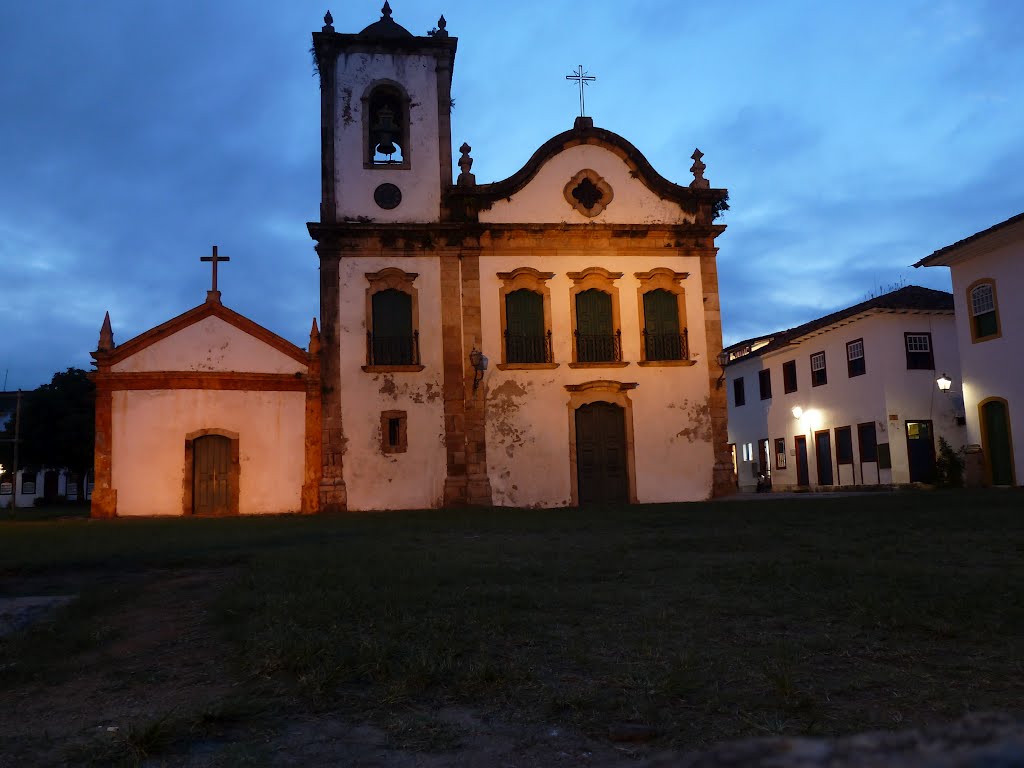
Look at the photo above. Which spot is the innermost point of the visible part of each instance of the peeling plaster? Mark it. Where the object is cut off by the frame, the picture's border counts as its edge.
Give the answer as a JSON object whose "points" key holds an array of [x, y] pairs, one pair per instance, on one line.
{"points": [[502, 408], [699, 416]]}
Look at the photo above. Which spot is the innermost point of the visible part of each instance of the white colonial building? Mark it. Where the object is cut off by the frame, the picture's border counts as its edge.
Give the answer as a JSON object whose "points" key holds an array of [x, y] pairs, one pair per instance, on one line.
{"points": [[988, 280], [847, 399], [586, 278]]}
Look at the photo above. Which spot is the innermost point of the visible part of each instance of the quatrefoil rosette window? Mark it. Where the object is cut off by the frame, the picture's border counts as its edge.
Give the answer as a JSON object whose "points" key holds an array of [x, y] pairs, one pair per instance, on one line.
{"points": [[588, 193]]}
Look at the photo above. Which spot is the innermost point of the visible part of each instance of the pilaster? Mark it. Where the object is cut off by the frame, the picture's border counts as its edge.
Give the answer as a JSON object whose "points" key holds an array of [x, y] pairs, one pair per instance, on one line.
{"points": [[454, 388], [479, 485], [104, 495], [313, 469], [723, 479], [333, 495]]}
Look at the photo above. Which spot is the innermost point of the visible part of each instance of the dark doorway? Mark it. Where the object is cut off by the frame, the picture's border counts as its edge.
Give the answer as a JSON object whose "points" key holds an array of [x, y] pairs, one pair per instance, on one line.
{"points": [[995, 431], [50, 485], [601, 454], [823, 457], [211, 494], [920, 451], [802, 477]]}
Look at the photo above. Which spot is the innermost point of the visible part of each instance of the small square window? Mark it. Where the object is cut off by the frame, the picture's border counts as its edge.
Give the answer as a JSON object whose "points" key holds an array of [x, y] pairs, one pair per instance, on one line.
{"points": [[394, 432], [789, 376], [819, 375]]}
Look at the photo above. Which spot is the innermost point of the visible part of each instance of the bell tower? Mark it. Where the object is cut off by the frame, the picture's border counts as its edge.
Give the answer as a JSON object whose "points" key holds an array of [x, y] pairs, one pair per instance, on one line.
{"points": [[385, 122]]}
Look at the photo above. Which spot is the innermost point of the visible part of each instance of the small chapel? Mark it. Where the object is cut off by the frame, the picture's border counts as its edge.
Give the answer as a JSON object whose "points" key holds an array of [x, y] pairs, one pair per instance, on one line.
{"points": [[550, 339]]}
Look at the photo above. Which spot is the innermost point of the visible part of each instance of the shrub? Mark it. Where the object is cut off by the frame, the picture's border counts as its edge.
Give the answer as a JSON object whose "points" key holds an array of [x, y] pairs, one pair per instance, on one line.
{"points": [[949, 465]]}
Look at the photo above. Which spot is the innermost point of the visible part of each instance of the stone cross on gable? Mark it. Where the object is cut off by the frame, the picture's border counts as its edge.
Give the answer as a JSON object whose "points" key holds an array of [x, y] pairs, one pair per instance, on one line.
{"points": [[582, 79], [214, 259]]}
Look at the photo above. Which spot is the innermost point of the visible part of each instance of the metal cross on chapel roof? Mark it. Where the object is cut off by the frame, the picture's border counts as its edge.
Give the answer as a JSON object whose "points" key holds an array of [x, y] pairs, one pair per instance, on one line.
{"points": [[582, 78], [214, 259]]}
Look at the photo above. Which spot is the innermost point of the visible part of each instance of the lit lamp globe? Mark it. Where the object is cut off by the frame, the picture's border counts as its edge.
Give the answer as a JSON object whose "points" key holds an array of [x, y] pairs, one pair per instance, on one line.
{"points": [[944, 383]]}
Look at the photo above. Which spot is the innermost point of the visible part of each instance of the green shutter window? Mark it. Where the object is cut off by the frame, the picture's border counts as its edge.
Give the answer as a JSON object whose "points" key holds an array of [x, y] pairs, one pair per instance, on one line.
{"points": [[662, 339], [392, 340], [525, 338], [596, 339]]}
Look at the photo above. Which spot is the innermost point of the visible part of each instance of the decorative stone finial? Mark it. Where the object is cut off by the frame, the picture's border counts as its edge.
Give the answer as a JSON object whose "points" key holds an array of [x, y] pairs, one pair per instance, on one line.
{"points": [[386, 10], [440, 30], [106, 335], [314, 339], [465, 163], [697, 169], [328, 22]]}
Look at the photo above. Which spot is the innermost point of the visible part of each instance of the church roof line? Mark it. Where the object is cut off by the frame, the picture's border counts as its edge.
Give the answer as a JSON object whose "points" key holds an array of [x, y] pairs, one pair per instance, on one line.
{"points": [[196, 314], [583, 134]]}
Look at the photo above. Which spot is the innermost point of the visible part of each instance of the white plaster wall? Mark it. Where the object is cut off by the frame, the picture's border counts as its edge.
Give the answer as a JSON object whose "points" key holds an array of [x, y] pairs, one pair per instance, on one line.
{"points": [[994, 368], [749, 422], [887, 388], [528, 410], [542, 199], [354, 184], [149, 431], [375, 480], [210, 345]]}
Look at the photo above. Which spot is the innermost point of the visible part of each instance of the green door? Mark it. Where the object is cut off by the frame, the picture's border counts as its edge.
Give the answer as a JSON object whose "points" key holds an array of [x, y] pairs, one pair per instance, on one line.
{"points": [[998, 450], [211, 475], [601, 454], [661, 326]]}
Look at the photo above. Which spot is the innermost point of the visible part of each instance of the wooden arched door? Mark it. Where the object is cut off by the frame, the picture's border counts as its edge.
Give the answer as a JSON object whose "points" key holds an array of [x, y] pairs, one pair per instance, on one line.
{"points": [[211, 475], [995, 426], [601, 470]]}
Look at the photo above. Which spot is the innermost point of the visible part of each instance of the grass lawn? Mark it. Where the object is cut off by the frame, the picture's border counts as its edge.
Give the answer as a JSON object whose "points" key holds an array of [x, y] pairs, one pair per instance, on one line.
{"points": [[713, 621]]}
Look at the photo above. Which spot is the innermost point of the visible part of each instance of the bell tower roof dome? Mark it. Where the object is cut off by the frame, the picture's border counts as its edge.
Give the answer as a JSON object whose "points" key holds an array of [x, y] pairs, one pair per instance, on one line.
{"points": [[386, 27]]}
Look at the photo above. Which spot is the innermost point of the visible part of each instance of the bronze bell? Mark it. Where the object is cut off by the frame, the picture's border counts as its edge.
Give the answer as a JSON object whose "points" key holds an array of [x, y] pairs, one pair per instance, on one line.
{"points": [[384, 131]]}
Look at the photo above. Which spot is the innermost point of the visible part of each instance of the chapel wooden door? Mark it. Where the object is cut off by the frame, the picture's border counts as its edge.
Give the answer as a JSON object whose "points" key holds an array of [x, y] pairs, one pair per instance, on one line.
{"points": [[802, 475], [211, 476], [601, 454]]}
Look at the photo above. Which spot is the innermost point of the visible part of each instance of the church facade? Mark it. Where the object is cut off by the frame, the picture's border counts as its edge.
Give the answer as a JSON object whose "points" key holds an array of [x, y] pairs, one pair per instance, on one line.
{"points": [[548, 340], [586, 279]]}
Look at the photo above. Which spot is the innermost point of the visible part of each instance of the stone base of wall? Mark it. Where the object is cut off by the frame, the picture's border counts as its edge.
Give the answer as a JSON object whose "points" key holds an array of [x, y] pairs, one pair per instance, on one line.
{"points": [[104, 503], [333, 496]]}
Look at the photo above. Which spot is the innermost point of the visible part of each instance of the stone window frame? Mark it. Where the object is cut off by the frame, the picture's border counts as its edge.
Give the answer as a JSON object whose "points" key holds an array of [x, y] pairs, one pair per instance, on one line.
{"points": [[669, 280], [532, 280], [386, 447], [399, 280], [601, 391], [406, 102], [603, 280], [234, 484], [975, 338]]}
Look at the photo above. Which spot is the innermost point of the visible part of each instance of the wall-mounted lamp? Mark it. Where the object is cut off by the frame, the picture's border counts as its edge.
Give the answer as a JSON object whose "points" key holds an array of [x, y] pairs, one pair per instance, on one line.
{"points": [[944, 383], [797, 412], [479, 362], [723, 358]]}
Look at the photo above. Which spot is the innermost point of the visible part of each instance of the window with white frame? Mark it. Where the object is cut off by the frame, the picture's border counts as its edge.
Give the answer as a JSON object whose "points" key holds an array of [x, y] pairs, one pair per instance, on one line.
{"points": [[855, 358], [819, 375], [919, 351], [984, 318]]}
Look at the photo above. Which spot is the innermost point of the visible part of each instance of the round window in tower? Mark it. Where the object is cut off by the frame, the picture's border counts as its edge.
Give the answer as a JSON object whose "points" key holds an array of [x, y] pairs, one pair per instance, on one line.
{"points": [[387, 196]]}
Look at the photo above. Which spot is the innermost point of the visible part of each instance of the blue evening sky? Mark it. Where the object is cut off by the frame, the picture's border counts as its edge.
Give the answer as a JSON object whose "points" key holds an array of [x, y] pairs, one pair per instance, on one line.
{"points": [[854, 138]]}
